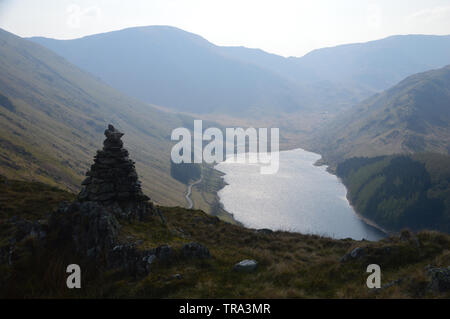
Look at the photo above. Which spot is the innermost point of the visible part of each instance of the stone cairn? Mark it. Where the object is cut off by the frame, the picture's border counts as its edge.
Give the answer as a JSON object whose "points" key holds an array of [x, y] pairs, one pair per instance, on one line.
{"points": [[90, 225], [113, 182]]}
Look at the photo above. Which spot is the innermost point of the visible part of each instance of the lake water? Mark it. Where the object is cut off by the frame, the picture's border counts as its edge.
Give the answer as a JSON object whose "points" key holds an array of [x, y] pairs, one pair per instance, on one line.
{"points": [[300, 198]]}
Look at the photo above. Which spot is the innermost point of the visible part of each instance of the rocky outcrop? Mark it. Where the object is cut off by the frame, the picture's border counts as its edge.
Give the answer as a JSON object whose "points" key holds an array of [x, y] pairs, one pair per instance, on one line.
{"points": [[194, 250], [25, 228], [111, 192], [22, 230], [89, 227]]}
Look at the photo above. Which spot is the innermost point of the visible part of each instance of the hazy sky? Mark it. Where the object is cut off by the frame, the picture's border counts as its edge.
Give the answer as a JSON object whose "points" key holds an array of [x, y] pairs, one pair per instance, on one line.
{"points": [[285, 27]]}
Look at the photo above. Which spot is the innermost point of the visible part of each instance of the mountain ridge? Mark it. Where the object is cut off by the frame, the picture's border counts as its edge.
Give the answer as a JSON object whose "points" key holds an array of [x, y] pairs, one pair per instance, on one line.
{"points": [[412, 116], [187, 54], [178, 69]]}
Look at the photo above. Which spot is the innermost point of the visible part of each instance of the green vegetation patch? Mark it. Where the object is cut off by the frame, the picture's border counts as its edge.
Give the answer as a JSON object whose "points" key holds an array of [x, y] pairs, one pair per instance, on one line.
{"points": [[401, 191]]}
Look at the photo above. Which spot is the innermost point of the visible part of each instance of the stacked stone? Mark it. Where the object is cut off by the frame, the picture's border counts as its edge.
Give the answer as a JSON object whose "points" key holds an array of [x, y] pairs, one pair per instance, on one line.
{"points": [[112, 178]]}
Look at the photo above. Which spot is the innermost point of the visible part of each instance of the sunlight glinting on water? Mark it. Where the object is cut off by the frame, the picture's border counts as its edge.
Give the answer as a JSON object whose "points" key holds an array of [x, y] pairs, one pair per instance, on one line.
{"points": [[301, 197]]}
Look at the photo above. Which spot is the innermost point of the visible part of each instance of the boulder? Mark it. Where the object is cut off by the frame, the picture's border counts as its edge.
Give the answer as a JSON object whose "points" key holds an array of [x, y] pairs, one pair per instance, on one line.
{"points": [[357, 253], [91, 229], [246, 265]]}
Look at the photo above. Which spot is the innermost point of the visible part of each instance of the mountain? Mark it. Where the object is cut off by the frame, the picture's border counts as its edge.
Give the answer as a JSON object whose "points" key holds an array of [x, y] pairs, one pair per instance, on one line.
{"points": [[411, 117], [177, 69], [52, 115], [343, 75], [170, 67], [320, 92], [378, 65], [375, 65]]}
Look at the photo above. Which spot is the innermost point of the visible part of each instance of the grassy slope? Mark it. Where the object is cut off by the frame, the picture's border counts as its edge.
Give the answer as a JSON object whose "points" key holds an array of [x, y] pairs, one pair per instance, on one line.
{"points": [[411, 117], [52, 122], [290, 265]]}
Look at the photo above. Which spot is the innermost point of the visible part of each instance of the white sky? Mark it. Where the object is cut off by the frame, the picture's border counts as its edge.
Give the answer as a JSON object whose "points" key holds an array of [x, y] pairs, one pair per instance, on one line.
{"points": [[284, 27]]}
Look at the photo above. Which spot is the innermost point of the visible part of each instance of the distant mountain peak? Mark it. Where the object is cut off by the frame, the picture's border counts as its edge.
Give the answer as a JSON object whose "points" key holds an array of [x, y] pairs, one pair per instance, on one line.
{"points": [[171, 67]]}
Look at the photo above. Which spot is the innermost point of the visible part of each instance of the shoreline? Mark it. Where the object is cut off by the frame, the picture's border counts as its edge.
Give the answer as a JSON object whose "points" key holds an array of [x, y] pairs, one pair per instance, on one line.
{"points": [[221, 206], [361, 217], [322, 162]]}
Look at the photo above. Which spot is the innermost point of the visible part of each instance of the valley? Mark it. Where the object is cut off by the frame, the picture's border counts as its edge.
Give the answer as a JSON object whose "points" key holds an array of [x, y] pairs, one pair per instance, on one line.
{"points": [[388, 120], [364, 139]]}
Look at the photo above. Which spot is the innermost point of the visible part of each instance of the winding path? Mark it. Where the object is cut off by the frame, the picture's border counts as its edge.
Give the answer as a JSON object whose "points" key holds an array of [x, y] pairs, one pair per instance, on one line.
{"points": [[189, 192]]}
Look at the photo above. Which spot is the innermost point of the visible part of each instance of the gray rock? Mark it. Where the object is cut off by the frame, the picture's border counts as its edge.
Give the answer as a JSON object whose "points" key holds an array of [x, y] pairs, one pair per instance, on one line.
{"points": [[150, 259], [246, 265], [356, 253], [92, 229], [195, 250], [128, 258], [177, 276]]}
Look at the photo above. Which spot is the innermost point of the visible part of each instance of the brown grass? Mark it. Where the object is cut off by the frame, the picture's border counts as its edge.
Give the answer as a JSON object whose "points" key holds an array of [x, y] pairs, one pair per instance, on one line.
{"points": [[290, 265]]}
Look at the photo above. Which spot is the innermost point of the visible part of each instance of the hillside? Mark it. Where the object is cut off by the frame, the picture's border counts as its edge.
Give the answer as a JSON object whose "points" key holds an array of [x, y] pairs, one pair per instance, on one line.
{"points": [[170, 67], [400, 192], [413, 116], [289, 265], [51, 114]]}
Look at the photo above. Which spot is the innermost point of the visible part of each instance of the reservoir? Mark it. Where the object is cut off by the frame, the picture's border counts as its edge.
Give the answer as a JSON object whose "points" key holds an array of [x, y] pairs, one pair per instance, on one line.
{"points": [[299, 198]]}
